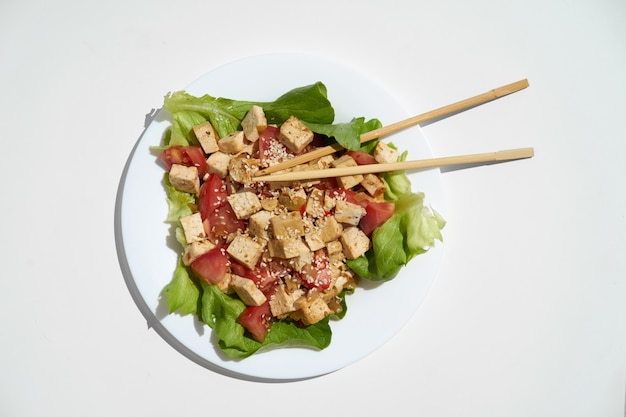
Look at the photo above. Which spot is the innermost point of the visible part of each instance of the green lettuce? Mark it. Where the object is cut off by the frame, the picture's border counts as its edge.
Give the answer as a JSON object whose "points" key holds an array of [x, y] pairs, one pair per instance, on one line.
{"points": [[308, 103]]}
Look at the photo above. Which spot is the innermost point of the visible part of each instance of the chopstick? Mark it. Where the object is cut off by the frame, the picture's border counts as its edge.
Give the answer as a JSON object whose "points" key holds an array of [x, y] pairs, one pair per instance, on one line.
{"points": [[403, 124], [505, 155]]}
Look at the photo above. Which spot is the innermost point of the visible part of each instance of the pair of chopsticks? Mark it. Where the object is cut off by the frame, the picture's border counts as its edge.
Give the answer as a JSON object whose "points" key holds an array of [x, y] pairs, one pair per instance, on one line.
{"points": [[506, 155]]}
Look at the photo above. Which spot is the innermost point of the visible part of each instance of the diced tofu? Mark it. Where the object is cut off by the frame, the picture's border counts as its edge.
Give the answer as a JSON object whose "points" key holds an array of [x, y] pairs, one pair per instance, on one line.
{"points": [[295, 135], [247, 290], [300, 261], [287, 248], [384, 153], [244, 204], [207, 136], [269, 203], [315, 203], [259, 223], [314, 310], [282, 301], [348, 213], [329, 200], [254, 123], [334, 247], [185, 178], [245, 250], [193, 228], [292, 199], [287, 225], [373, 185], [323, 162], [218, 163], [195, 249], [314, 240], [232, 143], [347, 181], [329, 228], [355, 242], [242, 168]]}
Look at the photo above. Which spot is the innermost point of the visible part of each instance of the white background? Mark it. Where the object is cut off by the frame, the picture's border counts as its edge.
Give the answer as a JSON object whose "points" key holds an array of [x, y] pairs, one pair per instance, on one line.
{"points": [[527, 316]]}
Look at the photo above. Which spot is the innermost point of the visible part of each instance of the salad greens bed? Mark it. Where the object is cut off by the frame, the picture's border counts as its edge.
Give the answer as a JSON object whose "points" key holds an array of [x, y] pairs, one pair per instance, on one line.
{"points": [[411, 231]]}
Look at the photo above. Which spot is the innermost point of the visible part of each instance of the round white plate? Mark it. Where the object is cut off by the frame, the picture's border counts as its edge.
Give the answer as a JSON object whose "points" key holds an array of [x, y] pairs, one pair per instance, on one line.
{"points": [[147, 252]]}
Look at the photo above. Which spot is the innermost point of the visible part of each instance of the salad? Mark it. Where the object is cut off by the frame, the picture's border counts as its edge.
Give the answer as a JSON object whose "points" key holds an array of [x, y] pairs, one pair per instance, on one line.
{"points": [[271, 264]]}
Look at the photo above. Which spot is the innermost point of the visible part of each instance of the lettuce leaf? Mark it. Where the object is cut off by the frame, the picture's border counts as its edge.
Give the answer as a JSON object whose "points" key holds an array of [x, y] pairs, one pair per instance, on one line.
{"points": [[182, 294], [220, 312], [179, 202], [346, 134], [308, 103]]}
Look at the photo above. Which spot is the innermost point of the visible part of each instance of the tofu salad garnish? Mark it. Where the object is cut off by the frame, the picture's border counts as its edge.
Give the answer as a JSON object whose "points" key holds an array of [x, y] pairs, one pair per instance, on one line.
{"points": [[271, 264]]}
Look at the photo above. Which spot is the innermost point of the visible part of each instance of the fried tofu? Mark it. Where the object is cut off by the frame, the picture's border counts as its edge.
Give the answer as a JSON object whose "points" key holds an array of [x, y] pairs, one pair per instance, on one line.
{"points": [[295, 135]]}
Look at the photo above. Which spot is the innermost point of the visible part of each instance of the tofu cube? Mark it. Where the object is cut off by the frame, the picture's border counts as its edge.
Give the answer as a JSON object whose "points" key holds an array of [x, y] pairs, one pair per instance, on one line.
{"points": [[259, 224], [232, 143], [314, 240], [193, 228], [347, 181], [384, 154], [355, 243], [247, 290], [244, 204], [373, 185], [295, 135], [195, 249], [348, 213], [254, 123], [207, 136], [313, 311], [185, 178], [287, 225], [282, 301], [292, 199], [245, 251], [315, 203], [329, 228], [287, 248], [218, 163], [269, 203]]}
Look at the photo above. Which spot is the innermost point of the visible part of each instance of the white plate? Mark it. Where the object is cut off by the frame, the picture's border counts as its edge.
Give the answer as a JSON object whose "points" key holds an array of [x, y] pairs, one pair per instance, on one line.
{"points": [[375, 312]]}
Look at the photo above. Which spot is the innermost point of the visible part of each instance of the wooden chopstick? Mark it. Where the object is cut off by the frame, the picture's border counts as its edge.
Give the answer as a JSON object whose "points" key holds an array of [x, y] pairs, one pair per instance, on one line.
{"points": [[505, 155], [412, 121]]}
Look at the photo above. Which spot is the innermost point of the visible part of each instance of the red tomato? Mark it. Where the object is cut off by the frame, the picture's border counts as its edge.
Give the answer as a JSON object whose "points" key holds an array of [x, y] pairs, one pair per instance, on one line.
{"points": [[185, 155], [256, 320], [318, 273], [265, 275], [212, 195], [376, 213], [269, 144], [211, 267], [221, 222], [362, 157]]}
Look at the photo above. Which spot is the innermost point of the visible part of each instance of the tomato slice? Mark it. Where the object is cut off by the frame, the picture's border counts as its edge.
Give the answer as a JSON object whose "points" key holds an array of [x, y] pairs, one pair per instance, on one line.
{"points": [[362, 157], [221, 222], [211, 267], [317, 274], [212, 195], [376, 213], [256, 320], [265, 275], [185, 155]]}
